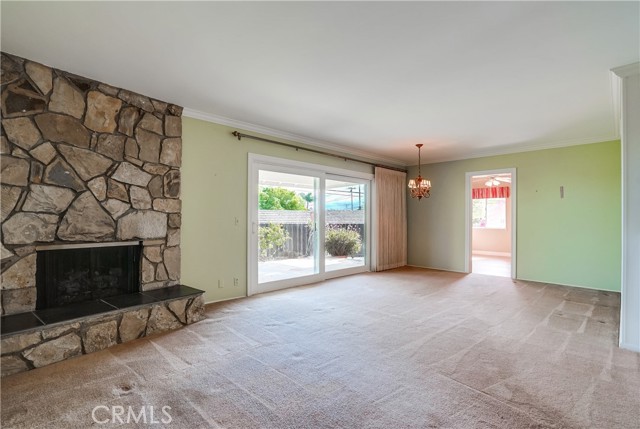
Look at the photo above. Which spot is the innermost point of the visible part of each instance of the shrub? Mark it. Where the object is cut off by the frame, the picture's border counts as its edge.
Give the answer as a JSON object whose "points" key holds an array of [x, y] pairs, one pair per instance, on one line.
{"points": [[342, 242], [271, 238]]}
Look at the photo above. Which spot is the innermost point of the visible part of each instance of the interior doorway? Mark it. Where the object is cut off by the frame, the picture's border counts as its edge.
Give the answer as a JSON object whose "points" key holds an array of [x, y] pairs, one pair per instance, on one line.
{"points": [[490, 220]]}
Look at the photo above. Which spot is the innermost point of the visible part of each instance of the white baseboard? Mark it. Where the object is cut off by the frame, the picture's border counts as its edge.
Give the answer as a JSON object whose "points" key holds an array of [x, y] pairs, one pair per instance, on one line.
{"points": [[632, 347], [437, 269], [225, 299]]}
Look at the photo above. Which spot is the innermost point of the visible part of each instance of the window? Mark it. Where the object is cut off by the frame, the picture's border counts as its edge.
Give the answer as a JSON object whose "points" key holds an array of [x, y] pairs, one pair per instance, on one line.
{"points": [[490, 213]]}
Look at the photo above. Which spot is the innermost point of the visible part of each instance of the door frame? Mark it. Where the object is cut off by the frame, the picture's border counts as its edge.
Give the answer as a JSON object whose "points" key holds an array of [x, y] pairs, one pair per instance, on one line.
{"points": [[468, 210], [257, 162]]}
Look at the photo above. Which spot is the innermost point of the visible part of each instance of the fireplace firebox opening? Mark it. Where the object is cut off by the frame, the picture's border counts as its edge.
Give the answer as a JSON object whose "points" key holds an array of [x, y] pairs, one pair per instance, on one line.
{"points": [[77, 274]]}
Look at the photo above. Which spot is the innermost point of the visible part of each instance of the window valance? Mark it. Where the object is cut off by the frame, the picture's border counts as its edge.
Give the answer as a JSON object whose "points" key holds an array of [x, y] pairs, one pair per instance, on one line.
{"points": [[494, 192]]}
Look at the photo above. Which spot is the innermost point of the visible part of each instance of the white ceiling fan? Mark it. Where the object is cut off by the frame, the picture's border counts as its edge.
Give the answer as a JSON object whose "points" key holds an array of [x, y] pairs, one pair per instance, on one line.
{"points": [[497, 180]]}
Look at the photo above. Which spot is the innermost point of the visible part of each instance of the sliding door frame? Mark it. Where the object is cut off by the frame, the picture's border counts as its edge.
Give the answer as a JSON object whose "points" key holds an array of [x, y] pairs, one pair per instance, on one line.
{"points": [[258, 162]]}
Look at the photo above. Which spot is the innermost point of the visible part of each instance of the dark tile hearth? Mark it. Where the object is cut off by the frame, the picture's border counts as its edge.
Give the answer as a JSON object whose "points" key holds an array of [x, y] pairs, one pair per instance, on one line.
{"points": [[15, 323], [129, 300], [73, 311], [19, 322], [172, 292]]}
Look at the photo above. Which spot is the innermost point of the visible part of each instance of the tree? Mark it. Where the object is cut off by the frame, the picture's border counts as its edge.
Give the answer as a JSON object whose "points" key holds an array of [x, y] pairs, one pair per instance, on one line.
{"points": [[280, 199], [308, 197]]}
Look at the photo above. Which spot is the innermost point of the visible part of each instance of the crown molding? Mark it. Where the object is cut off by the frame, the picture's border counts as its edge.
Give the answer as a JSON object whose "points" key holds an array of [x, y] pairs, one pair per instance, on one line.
{"points": [[616, 101], [247, 126], [627, 70], [519, 148], [617, 75], [365, 156]]}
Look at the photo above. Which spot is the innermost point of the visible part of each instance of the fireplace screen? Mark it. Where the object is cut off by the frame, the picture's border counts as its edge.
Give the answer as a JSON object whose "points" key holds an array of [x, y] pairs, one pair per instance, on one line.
{"points": [[66, 276]]}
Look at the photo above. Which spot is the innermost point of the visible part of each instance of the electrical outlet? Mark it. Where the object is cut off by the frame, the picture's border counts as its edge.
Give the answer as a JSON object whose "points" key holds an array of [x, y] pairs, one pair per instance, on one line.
{"points": [[236, 282], [220, 283]]}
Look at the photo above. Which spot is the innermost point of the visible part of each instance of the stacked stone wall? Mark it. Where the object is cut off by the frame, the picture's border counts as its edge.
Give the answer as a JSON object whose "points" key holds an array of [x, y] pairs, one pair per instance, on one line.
{"points": [[84, 162]]}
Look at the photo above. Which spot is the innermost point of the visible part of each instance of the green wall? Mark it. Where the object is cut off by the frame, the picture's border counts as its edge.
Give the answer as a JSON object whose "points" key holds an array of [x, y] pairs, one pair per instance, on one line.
{"points": [[214, 194], [572, 241]]}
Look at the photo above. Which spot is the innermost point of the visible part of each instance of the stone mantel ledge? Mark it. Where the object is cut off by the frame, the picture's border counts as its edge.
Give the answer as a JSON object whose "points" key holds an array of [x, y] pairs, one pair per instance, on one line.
{"points": [[61, 245]]}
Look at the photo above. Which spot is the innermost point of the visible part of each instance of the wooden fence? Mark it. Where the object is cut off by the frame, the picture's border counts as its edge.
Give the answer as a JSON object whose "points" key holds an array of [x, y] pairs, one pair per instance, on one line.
{"points": [[300, 239]]}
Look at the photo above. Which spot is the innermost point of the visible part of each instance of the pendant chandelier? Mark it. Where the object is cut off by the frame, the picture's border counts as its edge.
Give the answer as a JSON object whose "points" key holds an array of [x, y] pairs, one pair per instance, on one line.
{"points": [[419, 187]]}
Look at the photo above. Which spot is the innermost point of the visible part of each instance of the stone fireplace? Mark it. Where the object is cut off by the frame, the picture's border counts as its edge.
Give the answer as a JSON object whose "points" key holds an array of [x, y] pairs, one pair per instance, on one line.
{"points": [[85, 163]]}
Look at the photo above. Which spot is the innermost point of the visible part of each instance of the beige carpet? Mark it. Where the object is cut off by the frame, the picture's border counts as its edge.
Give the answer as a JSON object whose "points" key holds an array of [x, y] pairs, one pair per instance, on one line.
{"points": [[408, 348]]}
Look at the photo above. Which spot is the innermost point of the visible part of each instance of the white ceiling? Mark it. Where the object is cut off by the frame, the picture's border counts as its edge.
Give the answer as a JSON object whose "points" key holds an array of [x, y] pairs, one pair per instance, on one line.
{"points": [[464, 78]]}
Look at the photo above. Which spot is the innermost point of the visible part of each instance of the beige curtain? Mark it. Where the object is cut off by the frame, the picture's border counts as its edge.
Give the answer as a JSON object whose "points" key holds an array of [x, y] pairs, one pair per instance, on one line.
{"points": [[391, 219]]}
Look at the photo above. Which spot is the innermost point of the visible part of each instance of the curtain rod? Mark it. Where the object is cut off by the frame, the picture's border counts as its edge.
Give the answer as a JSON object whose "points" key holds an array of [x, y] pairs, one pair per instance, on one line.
{"points": [[240, 135]]}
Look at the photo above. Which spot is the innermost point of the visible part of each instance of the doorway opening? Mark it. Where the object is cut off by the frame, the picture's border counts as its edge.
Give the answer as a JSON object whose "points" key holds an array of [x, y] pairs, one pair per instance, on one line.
{"points": [[490, 220]]}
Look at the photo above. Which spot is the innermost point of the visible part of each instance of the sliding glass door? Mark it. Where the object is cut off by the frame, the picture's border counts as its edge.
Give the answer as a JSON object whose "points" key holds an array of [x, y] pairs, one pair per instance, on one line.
{"points": [[305, 224], [345, 224]]}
